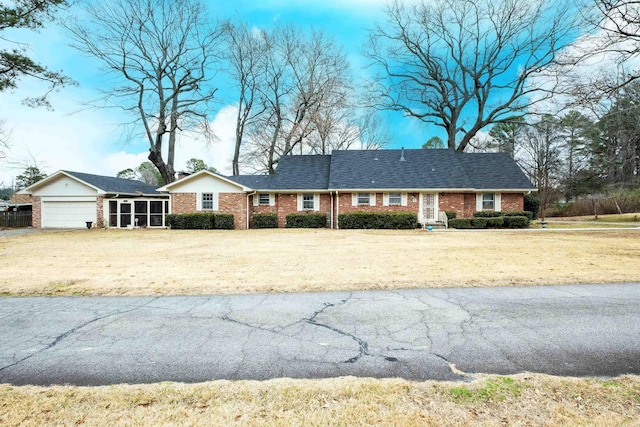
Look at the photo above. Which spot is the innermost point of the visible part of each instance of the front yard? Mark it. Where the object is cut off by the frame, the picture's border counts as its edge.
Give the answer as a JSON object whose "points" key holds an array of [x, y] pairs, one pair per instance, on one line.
{"points": [[177, 262]]}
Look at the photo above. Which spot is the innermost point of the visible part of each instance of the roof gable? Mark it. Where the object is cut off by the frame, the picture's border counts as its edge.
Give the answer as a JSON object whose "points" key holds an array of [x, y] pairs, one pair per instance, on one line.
{"points": [[100, 184], [205, 180]]}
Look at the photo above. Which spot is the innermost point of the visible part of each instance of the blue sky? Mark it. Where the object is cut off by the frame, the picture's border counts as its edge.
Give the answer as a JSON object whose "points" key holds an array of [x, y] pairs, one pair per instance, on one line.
{"points": [[75, 137]]}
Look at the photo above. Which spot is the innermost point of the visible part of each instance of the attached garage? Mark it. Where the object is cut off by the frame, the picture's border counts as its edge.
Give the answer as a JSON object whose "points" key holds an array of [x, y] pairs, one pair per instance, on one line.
{"points": [[68, 214], [68, 199]]}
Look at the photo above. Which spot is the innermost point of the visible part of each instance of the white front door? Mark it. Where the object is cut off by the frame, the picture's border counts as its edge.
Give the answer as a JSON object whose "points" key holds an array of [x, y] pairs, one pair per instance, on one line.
{"points": [[429, 207]]}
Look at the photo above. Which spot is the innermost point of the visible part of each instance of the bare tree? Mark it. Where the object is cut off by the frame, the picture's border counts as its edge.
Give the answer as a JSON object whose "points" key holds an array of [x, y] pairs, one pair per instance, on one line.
{"points": [[539, 156], [303, 79], [246, 54], [162, 54], [466, 64]]}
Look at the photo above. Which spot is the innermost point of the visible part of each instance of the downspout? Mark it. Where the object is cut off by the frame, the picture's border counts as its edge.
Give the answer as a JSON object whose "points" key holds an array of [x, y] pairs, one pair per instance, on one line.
{"points": [[337, 210], [249, 194], [331, 225]]}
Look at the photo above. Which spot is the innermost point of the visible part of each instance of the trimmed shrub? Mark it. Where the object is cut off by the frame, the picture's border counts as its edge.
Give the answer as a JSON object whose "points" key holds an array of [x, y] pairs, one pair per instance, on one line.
{"points": [[532, 204], [516, 221], [306, 220], [479, 222], [264, 220], [487, 214], [496, 214], [224, 222], [460, 223], [376, 220], [495, 222], [451, 215], [200, 221]]}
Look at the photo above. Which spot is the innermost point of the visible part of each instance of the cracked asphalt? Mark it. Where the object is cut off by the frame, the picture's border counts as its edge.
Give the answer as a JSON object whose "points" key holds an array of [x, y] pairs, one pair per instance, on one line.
{"points": [[441, 334]]}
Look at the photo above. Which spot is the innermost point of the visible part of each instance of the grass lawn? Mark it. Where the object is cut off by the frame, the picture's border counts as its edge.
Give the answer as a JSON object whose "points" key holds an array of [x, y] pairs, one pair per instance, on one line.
{"points": [[178, 262], [522, 399], [171, 262]]}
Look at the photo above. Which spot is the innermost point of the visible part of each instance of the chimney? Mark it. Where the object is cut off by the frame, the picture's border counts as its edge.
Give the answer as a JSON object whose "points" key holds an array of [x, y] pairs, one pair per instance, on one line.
{"points": [[182, 174], [402, 159]]}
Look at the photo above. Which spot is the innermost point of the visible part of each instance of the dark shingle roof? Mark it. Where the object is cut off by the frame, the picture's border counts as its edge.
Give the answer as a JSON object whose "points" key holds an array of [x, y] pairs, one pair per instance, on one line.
{"points": [[299, 172], [362, 169], [110, 184], [383, 169], [494, 171]]}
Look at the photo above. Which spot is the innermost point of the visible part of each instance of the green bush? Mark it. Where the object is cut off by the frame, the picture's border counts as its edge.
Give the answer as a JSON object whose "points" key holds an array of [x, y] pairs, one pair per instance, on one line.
{"points": [[460, 223], [378, 220], [264, 220], [224, 222], [487, 214], [496, 214], [306, 220], [516, 221], [451, 215], [479, 222], [200, 221], [495, 222], [532, 204]]}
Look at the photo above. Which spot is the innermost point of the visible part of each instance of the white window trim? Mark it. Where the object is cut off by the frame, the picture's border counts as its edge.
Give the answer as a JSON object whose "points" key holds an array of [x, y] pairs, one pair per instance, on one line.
{"points": [[214, 201], [316, 202], [497, 201]]}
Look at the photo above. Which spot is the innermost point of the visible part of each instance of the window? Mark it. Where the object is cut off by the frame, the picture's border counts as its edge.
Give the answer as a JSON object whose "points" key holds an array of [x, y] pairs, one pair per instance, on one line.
{"points": [[307, 201], [395, 199], [263, 199], [488, 202], [363, 199], [207, 201]]}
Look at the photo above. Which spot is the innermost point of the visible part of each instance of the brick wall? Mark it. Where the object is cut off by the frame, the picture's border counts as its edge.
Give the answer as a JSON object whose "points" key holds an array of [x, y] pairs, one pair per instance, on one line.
{"points": [[21, 199], [36, 213], [469, 205], [99, 212], [228, 203], [236, 204], [183, 203], [512, 202], [288, 204]]}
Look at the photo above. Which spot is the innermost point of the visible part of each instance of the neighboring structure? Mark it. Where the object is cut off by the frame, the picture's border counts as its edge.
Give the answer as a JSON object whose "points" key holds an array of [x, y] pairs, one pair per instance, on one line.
{"points": [[72, 199], [427, 182]]}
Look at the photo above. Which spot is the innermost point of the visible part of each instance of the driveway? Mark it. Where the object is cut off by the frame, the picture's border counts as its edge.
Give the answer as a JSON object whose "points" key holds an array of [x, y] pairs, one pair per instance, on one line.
{"points": [[415, 334]]}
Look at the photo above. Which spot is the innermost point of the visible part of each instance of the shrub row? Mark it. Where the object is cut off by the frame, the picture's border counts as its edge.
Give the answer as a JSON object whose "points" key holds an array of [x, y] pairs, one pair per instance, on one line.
{"points": [[200, 221], [495, 214], [306, 220], [264, 220], [375, 220], [490, 222]]}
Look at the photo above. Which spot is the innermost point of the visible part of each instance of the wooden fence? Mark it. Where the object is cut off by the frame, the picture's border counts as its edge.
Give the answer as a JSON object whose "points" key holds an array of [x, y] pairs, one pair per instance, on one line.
{"points": [[15, 219]]}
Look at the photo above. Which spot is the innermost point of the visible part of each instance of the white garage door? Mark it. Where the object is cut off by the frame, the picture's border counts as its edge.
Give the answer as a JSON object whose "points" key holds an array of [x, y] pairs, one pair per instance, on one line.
{"points": [[68, 214]]}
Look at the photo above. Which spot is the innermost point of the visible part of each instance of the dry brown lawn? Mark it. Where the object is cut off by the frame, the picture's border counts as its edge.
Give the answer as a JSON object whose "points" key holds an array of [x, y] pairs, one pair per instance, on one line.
{"points": [[172, 262], [522, 399]]}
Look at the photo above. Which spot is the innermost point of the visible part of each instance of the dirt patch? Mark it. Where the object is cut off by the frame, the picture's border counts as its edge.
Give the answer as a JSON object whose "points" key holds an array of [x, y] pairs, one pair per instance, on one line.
{"points": [[523, 399], [172, 262]]}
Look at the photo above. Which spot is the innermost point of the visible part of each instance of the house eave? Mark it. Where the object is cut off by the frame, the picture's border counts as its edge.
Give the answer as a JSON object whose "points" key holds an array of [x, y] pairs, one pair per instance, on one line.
{"points": [[167, 187]]}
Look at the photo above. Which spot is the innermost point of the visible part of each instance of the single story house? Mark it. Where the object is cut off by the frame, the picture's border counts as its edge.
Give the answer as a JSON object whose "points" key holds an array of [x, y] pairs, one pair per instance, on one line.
{"points": [[72, 199], [426, 182]]}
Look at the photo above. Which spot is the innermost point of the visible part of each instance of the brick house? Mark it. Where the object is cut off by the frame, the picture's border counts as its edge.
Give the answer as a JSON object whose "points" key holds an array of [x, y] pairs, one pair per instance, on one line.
{"points": [[426, 182]]}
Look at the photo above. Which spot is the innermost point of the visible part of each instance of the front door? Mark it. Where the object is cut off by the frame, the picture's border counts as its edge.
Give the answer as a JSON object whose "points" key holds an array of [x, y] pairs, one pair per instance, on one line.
{"points": [[125, 214], [428, 207]]}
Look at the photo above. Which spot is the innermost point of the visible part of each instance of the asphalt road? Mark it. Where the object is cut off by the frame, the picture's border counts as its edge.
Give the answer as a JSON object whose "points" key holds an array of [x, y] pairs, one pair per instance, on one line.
{"points": [[437, 334]]}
